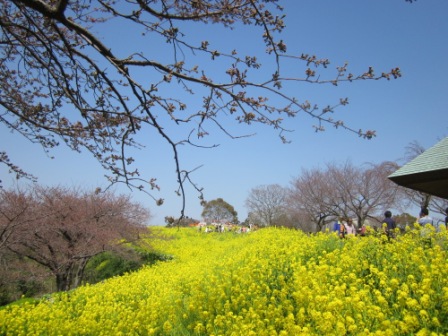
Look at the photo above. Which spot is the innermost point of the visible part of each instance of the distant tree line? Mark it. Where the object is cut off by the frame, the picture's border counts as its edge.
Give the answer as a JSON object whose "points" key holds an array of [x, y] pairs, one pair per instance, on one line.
{"points": [[172, 221], [319, 196]]}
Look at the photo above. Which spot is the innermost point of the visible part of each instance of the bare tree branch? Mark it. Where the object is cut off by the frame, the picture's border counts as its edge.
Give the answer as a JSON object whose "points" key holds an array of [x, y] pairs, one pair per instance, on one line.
{"points": [[63, 82]]}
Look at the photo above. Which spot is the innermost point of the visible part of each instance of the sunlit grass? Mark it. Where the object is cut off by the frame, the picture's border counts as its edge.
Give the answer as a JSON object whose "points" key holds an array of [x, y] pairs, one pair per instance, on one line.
{"points": [[268, 282]]}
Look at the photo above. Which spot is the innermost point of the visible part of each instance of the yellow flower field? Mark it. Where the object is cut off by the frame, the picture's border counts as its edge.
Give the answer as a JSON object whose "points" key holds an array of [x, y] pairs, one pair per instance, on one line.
{"points": [[269, 282]]}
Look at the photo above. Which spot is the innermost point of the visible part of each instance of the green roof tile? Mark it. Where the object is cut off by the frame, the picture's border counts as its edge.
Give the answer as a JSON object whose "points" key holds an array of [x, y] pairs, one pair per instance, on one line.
{"points": [[427, 173], [435, 158]]}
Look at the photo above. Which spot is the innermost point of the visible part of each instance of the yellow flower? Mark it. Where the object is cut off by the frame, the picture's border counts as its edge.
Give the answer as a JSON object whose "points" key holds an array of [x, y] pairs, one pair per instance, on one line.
{"points": [[435, 321], [199, 328], [424, 315], [167, 327], [425, 301], [412, 304], [340, 328]]}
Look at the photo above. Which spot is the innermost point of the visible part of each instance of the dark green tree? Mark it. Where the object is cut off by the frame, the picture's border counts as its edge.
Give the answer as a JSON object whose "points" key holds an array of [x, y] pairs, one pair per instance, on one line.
{"points": [[219, 211], [404, 220], [171, 221]]}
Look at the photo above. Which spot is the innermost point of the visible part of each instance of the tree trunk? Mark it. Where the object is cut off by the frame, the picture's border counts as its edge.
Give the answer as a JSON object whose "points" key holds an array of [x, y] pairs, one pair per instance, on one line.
{"points": [[426, 199], [62, 282], [79, 276], [64, 277]]}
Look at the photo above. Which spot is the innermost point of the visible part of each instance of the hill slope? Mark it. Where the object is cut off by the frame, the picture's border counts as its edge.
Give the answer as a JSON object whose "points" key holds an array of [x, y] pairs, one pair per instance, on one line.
{"points": [[268, 282]]}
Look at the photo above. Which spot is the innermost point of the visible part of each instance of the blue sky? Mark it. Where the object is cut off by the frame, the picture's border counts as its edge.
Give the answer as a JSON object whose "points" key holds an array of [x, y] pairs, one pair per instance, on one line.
{"points": [[381, 33]]}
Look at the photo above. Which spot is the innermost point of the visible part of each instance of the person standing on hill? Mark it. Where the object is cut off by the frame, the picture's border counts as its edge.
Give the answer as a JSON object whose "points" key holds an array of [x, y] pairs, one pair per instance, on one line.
{"points": [[342, 228], [337, 226], [423, 220], [389, 224], [350, 228], [424, 217]]}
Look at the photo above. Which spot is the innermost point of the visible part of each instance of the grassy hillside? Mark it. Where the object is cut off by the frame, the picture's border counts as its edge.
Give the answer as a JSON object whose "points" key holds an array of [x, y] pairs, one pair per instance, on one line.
{"points": [[268, 282]]}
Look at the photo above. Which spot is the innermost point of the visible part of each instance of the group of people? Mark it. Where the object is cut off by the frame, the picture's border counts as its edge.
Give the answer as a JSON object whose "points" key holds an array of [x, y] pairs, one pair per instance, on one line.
{"points": [[345, 227], [220, 227]]}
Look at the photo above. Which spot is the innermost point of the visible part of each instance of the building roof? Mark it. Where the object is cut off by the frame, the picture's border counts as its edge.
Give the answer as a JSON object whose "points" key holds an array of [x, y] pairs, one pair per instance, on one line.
{"points": [[427, 173]]}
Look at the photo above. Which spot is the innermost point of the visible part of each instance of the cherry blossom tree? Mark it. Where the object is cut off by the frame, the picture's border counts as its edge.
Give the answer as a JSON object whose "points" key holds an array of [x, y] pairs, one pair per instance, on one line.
{"points": [[61, 228], [311, 198]]}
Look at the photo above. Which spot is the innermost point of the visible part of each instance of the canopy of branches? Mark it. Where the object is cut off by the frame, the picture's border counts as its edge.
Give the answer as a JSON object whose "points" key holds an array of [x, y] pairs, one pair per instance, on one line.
{"points": [[63, 82], [61, 228], [319, 196]]}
